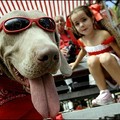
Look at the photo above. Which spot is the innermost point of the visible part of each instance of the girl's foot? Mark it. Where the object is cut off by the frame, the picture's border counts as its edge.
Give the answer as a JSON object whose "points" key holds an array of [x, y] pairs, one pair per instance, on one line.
{"points": [[104, 98]]}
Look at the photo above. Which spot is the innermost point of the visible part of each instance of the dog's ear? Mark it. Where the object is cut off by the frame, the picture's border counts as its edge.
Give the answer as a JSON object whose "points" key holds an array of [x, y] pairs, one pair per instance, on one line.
{"points": [[64, 68], [57, 38], [3, 68]]}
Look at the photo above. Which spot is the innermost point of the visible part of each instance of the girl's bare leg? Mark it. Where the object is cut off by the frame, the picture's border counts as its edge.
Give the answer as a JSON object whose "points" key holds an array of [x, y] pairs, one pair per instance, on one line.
{"points": [[111, 65], [96, 71]]}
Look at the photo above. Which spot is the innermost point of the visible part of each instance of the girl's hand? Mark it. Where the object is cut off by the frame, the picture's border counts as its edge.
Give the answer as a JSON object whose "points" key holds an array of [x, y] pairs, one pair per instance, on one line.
{"points": [[72, 65]]}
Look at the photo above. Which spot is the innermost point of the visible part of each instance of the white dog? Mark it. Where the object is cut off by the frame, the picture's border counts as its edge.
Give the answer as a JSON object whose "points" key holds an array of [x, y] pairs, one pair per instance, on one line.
{"points": [[29, 54]]}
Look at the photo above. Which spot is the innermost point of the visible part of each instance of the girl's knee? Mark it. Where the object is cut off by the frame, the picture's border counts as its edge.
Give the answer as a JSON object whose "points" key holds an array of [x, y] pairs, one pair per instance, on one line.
{"points": [[106, 58], [92, 61]]}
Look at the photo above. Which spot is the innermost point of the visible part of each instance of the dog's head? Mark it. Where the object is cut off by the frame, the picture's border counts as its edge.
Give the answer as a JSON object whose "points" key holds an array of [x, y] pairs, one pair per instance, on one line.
{"points": [[30, 55]]}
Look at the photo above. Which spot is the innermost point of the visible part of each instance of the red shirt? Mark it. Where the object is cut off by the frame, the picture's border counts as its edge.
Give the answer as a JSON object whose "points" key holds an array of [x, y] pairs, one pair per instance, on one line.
{"points": [[66, 37], [15, 102]]}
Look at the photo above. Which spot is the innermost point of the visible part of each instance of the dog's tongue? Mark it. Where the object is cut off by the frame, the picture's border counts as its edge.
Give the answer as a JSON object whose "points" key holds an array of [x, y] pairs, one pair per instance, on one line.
{"points": [[44, 96]]}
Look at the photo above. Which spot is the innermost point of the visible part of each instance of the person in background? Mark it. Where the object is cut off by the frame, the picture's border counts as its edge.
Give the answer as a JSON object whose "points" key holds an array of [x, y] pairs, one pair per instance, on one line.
{"points": [[103, 53], [68, 43]]}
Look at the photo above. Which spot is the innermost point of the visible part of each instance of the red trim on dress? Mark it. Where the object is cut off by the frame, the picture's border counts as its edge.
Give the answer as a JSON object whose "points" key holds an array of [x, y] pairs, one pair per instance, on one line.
{"points": [[108, 40], [101, 51], [105, 42]]}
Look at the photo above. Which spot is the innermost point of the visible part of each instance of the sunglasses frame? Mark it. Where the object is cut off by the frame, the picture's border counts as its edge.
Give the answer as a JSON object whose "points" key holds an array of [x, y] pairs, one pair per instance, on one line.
{"points": [[2, 26]]}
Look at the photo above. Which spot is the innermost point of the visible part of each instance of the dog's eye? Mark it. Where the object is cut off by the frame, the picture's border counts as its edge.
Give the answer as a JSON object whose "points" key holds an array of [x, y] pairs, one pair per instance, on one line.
{"points": [[47, 23], [16, 24]]}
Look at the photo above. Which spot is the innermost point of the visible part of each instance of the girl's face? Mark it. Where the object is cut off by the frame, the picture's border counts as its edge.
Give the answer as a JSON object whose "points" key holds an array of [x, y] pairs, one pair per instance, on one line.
{"points": [[82, 23]]}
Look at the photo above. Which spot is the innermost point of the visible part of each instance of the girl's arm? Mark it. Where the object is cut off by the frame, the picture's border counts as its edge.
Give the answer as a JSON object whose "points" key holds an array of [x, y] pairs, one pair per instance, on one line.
{"points": [[116, 48], [81, 54]]}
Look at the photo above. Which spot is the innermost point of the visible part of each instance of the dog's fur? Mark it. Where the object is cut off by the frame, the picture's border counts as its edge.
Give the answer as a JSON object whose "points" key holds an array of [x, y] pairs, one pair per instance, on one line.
{"points": [[23, 58]]}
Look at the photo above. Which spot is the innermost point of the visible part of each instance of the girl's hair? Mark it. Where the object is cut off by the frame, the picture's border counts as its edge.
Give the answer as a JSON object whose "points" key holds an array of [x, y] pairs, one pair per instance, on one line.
{"points": [[102, 24], [89, 13], [80, 8]]}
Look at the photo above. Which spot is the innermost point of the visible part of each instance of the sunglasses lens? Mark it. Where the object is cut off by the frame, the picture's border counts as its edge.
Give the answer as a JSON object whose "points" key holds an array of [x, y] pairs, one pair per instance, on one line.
{"points": [[16, 24], [47, 23]]}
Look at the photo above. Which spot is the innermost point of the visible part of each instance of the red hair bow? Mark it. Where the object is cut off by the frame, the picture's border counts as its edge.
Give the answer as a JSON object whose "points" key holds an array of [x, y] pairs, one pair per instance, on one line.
{"points": [[95, 8]]}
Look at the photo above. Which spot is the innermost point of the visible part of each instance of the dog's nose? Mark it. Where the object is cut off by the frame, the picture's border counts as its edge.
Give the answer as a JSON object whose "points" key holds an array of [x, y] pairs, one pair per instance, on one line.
{"points": [[48, 54], [46, 57]]}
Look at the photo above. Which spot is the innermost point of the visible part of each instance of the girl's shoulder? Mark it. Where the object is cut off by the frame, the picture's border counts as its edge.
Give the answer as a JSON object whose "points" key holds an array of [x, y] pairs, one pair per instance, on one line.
{"points": [[108, 38], [104, 33]]}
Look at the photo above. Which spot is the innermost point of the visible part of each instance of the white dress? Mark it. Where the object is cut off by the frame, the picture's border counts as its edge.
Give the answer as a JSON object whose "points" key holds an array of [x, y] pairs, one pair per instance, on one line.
{"points": [[99, 49]]}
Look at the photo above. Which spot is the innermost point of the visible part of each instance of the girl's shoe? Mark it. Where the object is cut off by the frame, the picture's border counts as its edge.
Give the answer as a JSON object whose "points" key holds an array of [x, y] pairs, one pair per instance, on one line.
{"points": [[104, 98]]}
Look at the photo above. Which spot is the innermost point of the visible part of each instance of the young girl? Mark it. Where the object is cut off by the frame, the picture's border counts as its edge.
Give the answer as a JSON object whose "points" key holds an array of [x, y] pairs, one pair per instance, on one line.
{"points": [[102, 50]]}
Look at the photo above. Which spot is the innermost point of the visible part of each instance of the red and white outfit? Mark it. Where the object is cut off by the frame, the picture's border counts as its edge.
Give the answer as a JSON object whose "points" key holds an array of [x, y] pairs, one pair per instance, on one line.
{"points": [[99, 49]]}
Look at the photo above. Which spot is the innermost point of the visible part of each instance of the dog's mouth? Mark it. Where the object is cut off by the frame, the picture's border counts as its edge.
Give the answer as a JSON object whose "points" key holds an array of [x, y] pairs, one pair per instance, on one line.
{"points": [[43, 93], [21, 79]]}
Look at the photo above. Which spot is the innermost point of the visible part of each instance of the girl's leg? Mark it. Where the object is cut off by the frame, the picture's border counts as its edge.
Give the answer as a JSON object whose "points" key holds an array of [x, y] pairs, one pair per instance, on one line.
{"points": [[96, 71], [111, 65]]}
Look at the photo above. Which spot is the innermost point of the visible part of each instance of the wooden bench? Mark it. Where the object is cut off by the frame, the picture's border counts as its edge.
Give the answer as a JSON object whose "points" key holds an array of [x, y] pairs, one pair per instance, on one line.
{"points": [[80, 71]]}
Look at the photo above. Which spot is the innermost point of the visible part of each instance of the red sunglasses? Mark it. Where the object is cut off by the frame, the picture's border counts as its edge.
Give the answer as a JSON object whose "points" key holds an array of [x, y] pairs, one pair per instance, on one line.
{"points": [[18, 24]]}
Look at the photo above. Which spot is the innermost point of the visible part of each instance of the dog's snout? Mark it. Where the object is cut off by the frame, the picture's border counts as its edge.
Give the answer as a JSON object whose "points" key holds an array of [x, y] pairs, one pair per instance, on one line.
{"points": [[48, 54]]}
